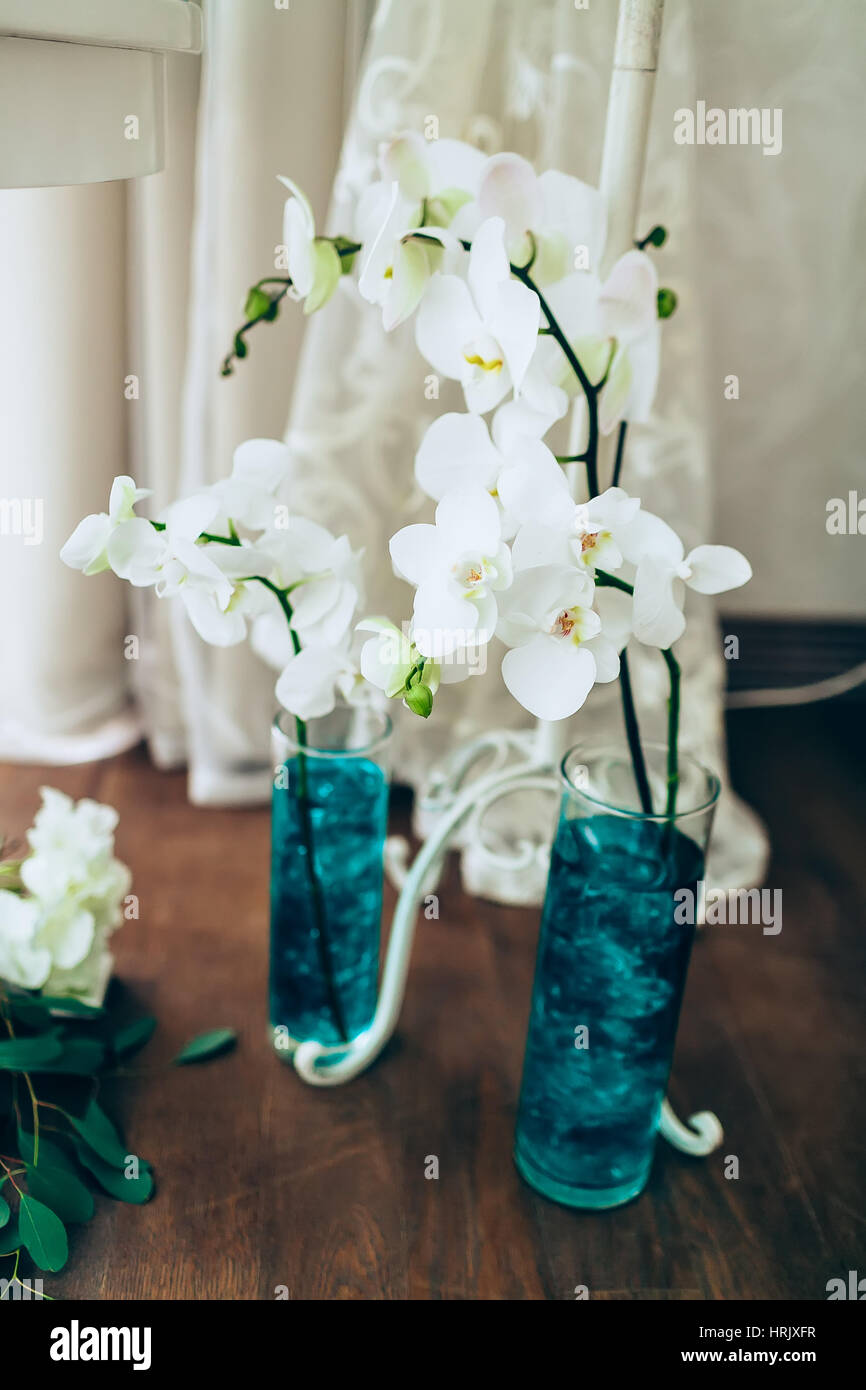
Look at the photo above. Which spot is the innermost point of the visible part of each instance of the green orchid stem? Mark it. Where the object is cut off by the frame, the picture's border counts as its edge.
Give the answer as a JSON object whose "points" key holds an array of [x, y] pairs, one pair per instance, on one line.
{"points": [[351, 248]]}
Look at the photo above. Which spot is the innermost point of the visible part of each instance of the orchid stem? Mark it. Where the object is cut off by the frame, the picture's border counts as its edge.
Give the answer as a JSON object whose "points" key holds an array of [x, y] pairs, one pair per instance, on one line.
{"points": [[632, 733]]}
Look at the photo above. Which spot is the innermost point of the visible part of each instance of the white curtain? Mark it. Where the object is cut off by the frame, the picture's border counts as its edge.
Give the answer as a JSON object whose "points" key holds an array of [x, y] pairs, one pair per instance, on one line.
{"points": [[121, 300]]}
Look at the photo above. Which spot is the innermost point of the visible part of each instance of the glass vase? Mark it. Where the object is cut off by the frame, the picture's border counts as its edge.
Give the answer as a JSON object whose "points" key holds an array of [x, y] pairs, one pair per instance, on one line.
{"points": [[613, 951], [330, 808]]}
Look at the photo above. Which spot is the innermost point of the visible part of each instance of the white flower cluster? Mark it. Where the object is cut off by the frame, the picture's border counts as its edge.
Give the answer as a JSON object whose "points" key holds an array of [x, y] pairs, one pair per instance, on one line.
{"points": [[241, 564], [511, 555], [55, 924], [499, 266]]}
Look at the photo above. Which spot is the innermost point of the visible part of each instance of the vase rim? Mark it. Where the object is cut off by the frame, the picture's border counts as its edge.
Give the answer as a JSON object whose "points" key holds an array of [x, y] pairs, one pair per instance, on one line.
{"points": [[617, 750], [325, 751]]}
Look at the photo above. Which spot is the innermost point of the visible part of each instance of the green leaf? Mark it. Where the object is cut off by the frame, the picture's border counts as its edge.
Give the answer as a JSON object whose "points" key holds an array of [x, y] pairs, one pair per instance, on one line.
{"points": [[206, 1045], [116, 1184], [62, 1192], [26, 1054], [5, 1212], [97, 1130], [133, 1036], [49, 1153], [667, 302], [28, 1009], [419, 699], [43, 1234], [78, 1057], [10, 1238], [70, 1005], [258, 303]]}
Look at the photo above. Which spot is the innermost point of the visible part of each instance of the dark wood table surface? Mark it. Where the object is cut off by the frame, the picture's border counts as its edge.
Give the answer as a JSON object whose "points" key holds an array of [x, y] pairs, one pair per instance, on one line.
{"points": [[263, 1182]]}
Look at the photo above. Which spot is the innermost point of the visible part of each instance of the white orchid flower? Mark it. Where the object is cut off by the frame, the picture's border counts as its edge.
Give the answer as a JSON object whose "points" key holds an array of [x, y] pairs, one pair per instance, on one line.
{"points": [[259, 468], [442, 172], [557, 529], [23, 961], [87, 547], [173, 562], [313, 262], [664, 571], [457, 565], [423, 183], [614, 330], [559, 213], [76, 884], [391, 657], [399, 258], [323, 575], [311, 680], [547, 621], [482, 333], [457, 450]]}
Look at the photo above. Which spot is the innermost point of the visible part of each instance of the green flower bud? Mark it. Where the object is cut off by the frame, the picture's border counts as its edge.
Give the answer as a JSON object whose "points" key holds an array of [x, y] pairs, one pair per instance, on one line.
{"points": [[258, 303], [667, 302], [419, 699]]}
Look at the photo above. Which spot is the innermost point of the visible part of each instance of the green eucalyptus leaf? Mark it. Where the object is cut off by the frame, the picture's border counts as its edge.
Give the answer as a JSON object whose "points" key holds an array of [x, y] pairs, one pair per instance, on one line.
{"points": [[70, 1005], [5, 1212], [42, 1233], [78, 1057], [206, 1045], [133, 1036], [26, 1054], [99, 1133], [10, 1238], [125, 1189], [50, 1153], [62, 1192]]}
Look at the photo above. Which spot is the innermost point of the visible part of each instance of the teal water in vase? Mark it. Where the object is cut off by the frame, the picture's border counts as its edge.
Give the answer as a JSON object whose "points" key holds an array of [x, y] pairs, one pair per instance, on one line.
{"points": [[609, 981], [347, 800]]}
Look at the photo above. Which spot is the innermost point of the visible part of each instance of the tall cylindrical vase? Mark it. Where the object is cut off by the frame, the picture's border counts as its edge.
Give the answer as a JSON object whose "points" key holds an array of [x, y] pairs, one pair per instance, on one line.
{"points": [[330, 807], [616, 934]]}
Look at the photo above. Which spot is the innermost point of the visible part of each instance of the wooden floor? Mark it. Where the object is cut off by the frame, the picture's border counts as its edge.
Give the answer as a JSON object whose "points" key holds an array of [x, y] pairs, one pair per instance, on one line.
{"points": [[264, 1182]]}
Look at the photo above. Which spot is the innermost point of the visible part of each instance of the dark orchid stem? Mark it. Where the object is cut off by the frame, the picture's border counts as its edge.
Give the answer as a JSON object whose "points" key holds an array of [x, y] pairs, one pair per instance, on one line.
{"points": [[620, 450], [589, 391], [303, 800], [673, 775], [632, 733], [302, 796]]}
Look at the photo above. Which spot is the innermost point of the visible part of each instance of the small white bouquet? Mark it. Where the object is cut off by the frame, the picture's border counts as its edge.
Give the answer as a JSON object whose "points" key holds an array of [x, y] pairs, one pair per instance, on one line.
{"points": [[60, 902]]}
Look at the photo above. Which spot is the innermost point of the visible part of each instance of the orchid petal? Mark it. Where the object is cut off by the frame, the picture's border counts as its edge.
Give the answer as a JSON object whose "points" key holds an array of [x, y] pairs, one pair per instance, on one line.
{"points": [[548, 676], [717, 568], [456, 451], [446, 320], [658, 619]]}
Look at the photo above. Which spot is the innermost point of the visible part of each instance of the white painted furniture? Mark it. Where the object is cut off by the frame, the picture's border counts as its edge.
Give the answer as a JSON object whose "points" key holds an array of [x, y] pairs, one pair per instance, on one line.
{"points": [[82, 87]]}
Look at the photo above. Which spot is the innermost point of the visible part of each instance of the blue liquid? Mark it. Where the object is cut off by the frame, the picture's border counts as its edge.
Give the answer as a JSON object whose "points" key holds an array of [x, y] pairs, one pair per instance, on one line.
{"points": [[611, 959], [348, 800]]}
